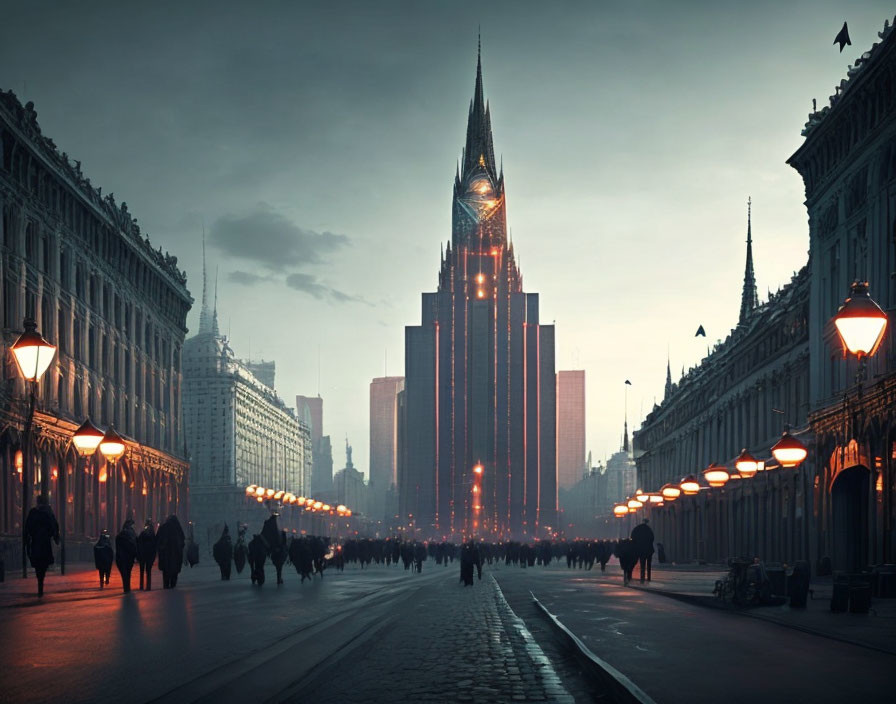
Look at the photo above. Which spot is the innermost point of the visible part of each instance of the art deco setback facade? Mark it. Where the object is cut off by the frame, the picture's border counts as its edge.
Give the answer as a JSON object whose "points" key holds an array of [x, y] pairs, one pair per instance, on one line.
{"points": [[77, 262], [479, 370], [785, 363], [239, 432]]}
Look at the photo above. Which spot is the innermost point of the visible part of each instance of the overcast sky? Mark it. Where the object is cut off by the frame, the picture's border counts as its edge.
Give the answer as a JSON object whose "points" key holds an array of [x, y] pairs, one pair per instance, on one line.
{"points": [[317, 143]]}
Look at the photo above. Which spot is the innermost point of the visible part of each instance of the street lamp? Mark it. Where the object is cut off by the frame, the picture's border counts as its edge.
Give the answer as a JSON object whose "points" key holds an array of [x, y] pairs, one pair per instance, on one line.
{"points": [[641, 496], [716, 476], [656, 499], [33, 355], [112, 446], [746, 464], [689, 485], [789, 451], [86, 440], [670, 492], [860, 322], [634, 505]]}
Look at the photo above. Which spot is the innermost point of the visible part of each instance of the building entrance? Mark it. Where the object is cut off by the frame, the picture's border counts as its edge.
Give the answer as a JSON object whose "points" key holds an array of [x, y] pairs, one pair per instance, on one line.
{"points": [[849, 512]]}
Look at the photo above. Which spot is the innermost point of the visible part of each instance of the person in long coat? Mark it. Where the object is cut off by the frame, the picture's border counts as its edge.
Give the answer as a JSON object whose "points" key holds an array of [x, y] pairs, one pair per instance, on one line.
{"points": [[223, 553], [41, 528], [103, 557], [278, 555], [126, 553], [628, 558], [146, 553], [170, 544], [466, 564], [642, 537]]}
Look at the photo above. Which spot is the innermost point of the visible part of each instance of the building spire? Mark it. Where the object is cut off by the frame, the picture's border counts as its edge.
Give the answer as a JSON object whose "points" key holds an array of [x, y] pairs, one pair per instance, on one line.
{"points": [[625, 437], [749, 298], [479, 150], [205, 317]]}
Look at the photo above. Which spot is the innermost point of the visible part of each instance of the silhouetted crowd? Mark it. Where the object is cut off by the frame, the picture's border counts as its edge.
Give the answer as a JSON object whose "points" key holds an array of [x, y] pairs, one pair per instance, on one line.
{"points": [[172, 548]]}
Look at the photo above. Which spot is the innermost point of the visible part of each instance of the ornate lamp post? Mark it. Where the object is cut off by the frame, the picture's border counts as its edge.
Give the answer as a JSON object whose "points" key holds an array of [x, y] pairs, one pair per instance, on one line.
{"points": [[861, 324], [716, 475], [689, 485], [33, 355], [788, 451]]}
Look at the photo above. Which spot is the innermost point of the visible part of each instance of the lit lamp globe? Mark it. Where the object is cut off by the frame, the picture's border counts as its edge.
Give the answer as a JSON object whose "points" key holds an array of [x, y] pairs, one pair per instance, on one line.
{"points": [[689, 485], [641, 496], [87, 438], [269, 494], [746, 464], [478, 469], [620, 510], [32, 352], [634, 505], [860, 322], [656, 499], [670, 492], [259, 492], [112, 445], [250, 490], [279, 495], [789, 451], [716, 476]]}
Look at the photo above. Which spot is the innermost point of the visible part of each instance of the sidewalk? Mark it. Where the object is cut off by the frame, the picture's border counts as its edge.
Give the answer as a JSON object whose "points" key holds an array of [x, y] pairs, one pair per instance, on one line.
{"points": [[695, 585]]}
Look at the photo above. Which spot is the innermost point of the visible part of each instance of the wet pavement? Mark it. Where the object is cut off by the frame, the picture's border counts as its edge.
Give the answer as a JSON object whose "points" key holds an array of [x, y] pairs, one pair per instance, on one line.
{"points": [[681, 652]]}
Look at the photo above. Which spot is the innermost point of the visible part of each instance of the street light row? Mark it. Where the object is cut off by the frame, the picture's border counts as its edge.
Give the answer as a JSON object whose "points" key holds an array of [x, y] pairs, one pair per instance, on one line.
{"points": [[260, 494], [860, 324]]}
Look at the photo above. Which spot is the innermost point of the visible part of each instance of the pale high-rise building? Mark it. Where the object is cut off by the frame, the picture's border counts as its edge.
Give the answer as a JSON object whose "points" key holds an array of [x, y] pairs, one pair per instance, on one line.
{"points": [[570, 427], [383, 439]]}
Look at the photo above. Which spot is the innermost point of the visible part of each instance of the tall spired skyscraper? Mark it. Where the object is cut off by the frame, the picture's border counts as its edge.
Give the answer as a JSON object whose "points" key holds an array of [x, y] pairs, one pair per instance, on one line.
{"points": [[477, 435]]}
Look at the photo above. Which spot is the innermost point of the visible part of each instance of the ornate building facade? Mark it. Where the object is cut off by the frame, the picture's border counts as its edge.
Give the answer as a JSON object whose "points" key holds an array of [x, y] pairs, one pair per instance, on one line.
{"points": [[77, 263], [480, 385], [848, 165], [741, 395], [239, 433]]}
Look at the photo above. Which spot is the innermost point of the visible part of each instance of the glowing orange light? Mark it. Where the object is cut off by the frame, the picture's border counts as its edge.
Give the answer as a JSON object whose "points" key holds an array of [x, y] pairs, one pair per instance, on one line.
{"points": [[716, 475], [300, 500], [348, 512], [641, 496], [746, 464], [144, 491], [620, 510], [103, 475], [789, 451], [478, 469], [494, 251], [860, 322], [670, 492], [689, 485], [326, 507], [475, 489], [318, 505], [270, 493], [259, 491], [259, 499], [55, 473], [278, 495], [19, 461], [480, 293], [480, 278], [250, 489]]}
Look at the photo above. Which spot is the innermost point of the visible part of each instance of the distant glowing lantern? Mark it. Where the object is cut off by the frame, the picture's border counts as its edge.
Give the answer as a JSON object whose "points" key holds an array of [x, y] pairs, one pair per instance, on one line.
{"points": [[716, 475], [87, 438], [259, 491], [348, 512], [340, 508], [278, 495], [746, 464], [103, 476], [250, 490], [318, 505], [300, 500], [620, 510], [326, 507], [655, 498], [144, 490], [634, 505], [270, 493], [860, 322], [475, 488], [480, 278], [641, 496], [478, 469], [480, 293], [670, 492], [19, 461], [112, 445], [789, 451], [55, 473], [32, 352], [689, 485], [259, 499]]}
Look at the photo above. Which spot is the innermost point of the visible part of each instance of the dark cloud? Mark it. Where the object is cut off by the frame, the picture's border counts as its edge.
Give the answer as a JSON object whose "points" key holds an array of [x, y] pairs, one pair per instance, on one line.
{"points": [[312, 286], [267, 237], [246, 278]]}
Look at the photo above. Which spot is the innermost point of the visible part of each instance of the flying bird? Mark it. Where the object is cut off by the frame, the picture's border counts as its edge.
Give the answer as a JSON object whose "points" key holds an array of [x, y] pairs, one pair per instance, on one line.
{"points": [[700, 332], [843, 38], [628, 383]]}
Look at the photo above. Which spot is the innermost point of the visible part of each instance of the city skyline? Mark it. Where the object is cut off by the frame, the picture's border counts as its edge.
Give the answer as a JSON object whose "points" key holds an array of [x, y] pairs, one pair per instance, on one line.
{"points": [[577, 164]]}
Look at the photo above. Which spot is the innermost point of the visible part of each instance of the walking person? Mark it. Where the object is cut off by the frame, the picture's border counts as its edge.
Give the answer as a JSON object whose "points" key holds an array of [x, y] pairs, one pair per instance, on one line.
{"points": [[223, 553], [103, 557], [146, 554], [642, 537], [126, 553], [466, 564], [170, 545], [40, 528]]}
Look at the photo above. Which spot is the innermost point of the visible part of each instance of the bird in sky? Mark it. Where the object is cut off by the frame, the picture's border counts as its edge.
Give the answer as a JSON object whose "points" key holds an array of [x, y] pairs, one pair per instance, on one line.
{"points": [[843, 37], [700, 332], [628, 383]]}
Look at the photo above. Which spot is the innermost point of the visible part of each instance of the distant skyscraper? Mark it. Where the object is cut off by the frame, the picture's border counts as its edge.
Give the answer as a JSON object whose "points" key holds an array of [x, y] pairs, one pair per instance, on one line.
{"points": [[311, 408], [479, 370], [570, 427], [383, 440]]}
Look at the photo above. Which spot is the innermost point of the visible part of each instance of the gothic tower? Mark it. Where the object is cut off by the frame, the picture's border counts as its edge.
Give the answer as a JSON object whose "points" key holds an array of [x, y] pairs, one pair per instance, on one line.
{"points": [[749, 298], [480, 385]]}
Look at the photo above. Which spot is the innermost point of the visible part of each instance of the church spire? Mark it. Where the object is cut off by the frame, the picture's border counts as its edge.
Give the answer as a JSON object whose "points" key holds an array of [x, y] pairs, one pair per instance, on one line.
{"points": [[479, 150], [749, 298], [625, 437]]}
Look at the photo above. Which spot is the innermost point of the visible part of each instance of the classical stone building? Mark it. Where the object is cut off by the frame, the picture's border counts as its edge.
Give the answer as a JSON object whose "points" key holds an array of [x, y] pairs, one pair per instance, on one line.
{"points": [[479, 373], [848, 165], [77, 263], [239, 433], [741, 395]]}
